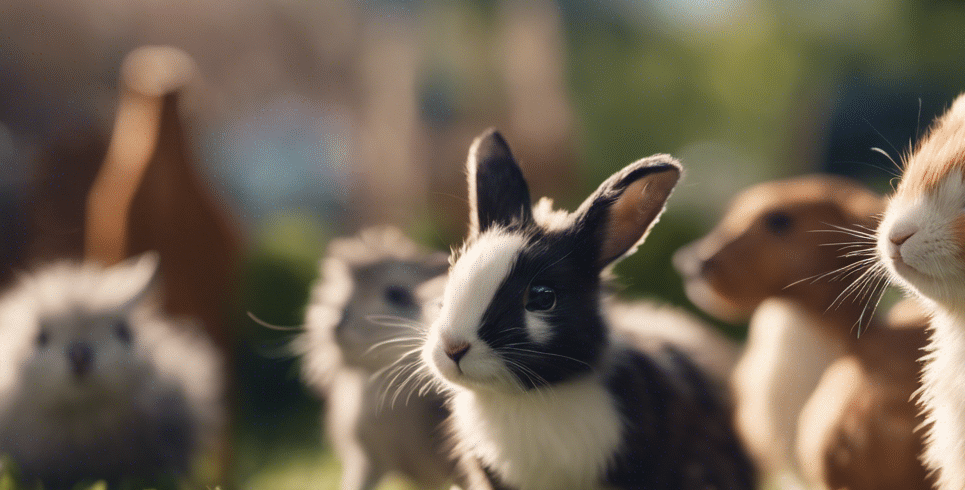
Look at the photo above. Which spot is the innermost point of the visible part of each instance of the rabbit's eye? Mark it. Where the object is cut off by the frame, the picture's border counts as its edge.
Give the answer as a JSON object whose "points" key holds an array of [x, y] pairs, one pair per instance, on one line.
{"points": [[540, 298], [123, 332], [778, 222], [399, 297], [43, 338]]}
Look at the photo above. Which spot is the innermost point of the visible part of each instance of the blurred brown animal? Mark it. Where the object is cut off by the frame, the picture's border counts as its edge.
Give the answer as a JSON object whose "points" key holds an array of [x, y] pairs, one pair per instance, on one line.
{"points": [[149, 195], [857, 429]]}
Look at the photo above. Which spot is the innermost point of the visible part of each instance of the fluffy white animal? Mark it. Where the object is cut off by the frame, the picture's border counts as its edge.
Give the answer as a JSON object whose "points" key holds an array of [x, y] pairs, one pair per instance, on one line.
{"points": [[97, 383]]}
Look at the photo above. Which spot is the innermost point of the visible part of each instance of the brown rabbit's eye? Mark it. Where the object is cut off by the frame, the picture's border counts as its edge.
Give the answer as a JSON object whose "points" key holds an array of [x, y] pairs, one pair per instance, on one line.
{"points": [[123, 332], [399, 297], [778, 222], [540, 298], [43, 338]]}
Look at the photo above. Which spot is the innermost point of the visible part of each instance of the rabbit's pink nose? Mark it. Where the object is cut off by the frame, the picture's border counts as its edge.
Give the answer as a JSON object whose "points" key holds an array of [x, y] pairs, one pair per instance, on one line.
{"points": [[456, 350], [901, 233]]}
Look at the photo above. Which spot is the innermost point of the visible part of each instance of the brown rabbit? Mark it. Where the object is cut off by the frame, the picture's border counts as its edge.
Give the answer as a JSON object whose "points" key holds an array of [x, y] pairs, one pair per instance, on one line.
{"points": [[777, 241]]}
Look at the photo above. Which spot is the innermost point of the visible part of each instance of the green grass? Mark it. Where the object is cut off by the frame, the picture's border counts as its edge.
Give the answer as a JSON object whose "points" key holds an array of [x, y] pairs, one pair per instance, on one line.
{"points": [[284, 469]]}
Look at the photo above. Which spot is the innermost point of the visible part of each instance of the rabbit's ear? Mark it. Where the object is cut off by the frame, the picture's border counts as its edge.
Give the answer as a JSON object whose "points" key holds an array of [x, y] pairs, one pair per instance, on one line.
{"points": [[617, 217], [498, 195], [139, 275]]}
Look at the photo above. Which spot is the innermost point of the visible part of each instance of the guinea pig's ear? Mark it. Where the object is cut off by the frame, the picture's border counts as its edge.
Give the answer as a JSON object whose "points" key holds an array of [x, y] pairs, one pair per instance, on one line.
{"points": [[436, 264], [618, 216], [140, 274], [498, 195]]}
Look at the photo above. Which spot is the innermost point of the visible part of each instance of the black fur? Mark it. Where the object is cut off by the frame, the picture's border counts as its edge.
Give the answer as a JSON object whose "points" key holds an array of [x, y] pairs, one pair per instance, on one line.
{"points": [[502, 196], [681, 436], [564, 261]]}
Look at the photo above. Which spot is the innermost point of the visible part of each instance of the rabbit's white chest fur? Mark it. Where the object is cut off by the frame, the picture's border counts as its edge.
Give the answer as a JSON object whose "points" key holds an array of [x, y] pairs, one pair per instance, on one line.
{"points": [[560, 437], [943, 391], [780, 368]]}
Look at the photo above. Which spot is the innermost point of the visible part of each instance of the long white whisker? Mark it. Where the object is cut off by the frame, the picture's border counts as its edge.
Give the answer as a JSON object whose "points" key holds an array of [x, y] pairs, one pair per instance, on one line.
{"points": [[405, 341]]}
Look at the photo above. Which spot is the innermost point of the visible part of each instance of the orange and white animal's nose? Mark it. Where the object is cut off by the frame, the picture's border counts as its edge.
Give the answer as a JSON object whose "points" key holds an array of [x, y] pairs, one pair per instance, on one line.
{"points": [[901, 232], [455, 350]]}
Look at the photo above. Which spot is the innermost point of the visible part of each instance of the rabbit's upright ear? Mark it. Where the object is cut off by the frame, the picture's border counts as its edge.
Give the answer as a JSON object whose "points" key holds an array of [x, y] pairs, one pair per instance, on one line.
{"points": [[498, 195], [619, 215], [137, 276]]}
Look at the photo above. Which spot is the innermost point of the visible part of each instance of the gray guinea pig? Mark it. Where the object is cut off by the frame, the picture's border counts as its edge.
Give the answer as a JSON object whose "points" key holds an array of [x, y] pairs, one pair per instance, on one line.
{"points": [[360, 353], [96, 383]]}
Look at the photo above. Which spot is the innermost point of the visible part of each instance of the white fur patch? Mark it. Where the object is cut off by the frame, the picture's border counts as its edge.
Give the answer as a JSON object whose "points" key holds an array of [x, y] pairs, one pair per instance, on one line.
{"points": [[538, 329], [943, 396], [473, 282], [549, 218], [564, 437], [783, 361]]}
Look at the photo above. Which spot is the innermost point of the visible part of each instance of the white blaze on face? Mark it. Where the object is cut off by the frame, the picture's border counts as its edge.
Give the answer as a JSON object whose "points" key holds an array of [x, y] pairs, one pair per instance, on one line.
{"points": [[473, 282]]}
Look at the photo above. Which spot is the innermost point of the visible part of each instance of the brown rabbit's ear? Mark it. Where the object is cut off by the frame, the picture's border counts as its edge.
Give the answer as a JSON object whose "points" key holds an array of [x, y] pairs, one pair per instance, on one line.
{"points": [[619, 215], [498, 195]]}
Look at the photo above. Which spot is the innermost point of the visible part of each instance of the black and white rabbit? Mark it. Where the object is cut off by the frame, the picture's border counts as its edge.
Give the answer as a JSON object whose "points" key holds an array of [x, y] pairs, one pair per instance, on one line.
{"points": [[363, 327], [97, 383], [544, 395]]}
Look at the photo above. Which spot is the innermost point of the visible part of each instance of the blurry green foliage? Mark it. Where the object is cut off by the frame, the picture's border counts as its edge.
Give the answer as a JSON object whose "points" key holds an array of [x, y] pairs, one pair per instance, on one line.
{"points": [[10, 478]]}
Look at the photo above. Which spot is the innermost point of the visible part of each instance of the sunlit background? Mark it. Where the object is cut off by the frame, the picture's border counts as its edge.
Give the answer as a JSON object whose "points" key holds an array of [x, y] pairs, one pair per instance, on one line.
{"points": [[312, 118]]}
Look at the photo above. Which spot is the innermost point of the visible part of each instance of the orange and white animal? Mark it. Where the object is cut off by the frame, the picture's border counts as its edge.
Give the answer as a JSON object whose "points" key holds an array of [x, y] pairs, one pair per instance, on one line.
{"points": [[921, 243], [778, 250]]}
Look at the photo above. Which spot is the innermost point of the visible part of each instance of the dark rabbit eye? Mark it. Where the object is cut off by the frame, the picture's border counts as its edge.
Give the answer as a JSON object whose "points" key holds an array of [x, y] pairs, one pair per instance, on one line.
{"points": [[540, 298], [123, 332], [399, 297], [778, 222], [43, 338]]}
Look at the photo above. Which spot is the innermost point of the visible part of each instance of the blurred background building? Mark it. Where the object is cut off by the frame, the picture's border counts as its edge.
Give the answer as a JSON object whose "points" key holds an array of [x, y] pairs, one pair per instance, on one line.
{"points": [[314, 118]]}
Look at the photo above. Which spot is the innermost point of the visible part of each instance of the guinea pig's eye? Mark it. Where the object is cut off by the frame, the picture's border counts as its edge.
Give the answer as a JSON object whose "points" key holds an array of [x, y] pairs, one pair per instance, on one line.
{"points": [[399, 297], [540, 298], [778, 222], [43, 338], [123, 332]]}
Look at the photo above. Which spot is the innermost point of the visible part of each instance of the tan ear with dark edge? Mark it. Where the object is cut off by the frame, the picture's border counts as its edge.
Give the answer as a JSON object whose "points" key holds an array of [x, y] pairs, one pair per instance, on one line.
{"points": [[637, 197]]}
